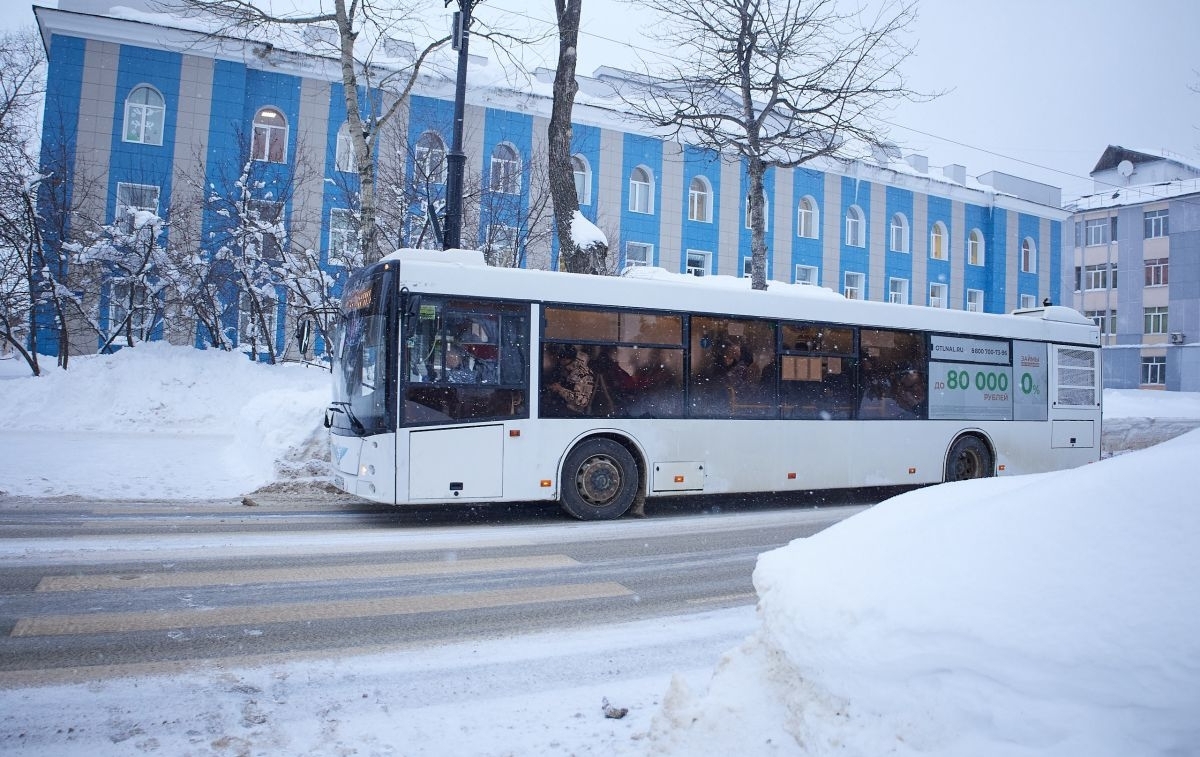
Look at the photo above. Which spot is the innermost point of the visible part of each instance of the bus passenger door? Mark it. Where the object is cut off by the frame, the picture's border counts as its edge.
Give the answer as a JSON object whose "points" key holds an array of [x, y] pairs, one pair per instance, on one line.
{"points": [[456, 463]]}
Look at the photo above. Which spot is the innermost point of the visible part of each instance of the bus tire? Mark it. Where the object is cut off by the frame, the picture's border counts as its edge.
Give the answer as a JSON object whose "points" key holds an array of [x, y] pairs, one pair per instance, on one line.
{"points": [[599, 480], [969, 458]]}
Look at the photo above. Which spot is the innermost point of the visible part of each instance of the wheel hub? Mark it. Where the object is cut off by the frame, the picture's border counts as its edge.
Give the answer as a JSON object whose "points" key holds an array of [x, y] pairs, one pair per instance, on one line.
{"points": [[599, 480]]}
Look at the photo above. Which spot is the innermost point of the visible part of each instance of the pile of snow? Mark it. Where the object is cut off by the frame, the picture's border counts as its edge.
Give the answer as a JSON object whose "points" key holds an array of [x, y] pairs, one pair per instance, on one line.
{"points": [[1054, 614], [161, 421]]}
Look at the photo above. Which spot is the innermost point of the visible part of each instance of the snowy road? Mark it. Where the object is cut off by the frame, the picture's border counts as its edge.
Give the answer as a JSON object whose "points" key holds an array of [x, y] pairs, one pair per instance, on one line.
{"points": [[92, 590]]}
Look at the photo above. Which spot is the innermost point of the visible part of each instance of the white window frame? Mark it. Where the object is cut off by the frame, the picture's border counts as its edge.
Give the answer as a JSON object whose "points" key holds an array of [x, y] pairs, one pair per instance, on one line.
{"points": [[270, 211], [502, 238], [429, 157], [856, 232], [1028, 255], [271, 316], [582, 171], [1157, 272], [698, 262], [975, 248], [646, 253], [939, 295], [1097, 277], [853, 283], [1105, 320], [939, 242], [641, 191], [145, 121], [899, 233], [1095, 231], [807, 217], [504, 174], [809, 275], [898, 291], [269, 141], [1155, 320], [343, 153], [118, 295], [1154, 370], [133, 197], [1156, 223], [1028, 302], [975, 300], [700, 204], [343, 232]]}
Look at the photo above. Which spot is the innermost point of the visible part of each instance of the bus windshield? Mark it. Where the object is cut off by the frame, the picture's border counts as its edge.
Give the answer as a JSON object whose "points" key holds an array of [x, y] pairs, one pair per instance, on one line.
{"points": [[364, 386]]}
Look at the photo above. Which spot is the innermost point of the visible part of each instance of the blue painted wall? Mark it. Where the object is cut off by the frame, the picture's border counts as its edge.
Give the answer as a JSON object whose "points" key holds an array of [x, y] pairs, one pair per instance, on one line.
{"points": [[638, 150]]}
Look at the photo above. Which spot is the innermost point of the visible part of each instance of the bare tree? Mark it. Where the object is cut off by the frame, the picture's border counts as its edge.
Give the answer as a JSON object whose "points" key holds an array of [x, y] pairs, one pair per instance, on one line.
{"points": [[775, 83], [589, 257], [513, 223], [357, 31]]}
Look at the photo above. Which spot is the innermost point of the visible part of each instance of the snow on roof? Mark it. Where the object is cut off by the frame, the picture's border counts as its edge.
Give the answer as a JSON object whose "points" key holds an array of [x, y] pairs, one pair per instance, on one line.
{"points": [[1135, 195]]}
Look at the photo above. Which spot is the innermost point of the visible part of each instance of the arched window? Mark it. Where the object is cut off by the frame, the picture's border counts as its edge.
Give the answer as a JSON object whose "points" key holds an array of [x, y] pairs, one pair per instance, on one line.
{"points": [[1028, 256], [343, 159], [429, 158], [583, 179], [270, 136], [641, 190], [975, 247], [856, 232], [505, 176], [807, 218], [938, 242], [700, 200], [899, 233], [144, 116]]}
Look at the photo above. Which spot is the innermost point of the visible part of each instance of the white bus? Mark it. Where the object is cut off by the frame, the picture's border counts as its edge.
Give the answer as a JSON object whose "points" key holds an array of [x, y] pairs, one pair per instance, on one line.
{"points": [[459, 382]]}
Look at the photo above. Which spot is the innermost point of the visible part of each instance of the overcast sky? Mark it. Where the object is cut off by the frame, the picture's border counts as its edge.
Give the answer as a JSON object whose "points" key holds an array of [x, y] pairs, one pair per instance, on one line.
{"points": [[1036, 88]]}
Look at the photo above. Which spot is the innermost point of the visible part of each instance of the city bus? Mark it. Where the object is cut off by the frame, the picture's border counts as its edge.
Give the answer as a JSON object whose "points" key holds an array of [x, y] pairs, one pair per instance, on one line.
{"points": [[456, 382]]}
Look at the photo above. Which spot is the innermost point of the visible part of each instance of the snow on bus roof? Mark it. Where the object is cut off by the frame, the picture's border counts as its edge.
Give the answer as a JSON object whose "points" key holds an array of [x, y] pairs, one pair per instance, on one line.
{"points": [[741, 283]]}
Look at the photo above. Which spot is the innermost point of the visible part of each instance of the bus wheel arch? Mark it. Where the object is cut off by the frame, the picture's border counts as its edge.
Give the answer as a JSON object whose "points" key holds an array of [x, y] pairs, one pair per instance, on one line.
{"points": [[602, 478], [971, 455]]}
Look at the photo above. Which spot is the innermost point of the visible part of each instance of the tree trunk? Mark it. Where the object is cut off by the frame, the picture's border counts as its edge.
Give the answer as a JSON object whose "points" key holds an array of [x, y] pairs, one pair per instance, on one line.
{"points": [[756, 173]]}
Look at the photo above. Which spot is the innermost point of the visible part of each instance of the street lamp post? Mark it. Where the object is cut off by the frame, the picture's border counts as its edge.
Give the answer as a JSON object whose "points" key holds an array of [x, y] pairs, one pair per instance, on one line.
{"points": [[456, 160]]}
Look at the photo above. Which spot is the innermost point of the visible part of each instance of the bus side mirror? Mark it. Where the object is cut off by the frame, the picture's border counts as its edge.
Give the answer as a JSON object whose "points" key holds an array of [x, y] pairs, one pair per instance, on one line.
{"points": [[412, 306]]}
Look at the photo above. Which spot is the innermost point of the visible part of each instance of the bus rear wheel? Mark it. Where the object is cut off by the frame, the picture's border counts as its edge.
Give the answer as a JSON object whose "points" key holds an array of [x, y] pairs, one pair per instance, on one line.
{"points": [[599, 481], [969, 458]]}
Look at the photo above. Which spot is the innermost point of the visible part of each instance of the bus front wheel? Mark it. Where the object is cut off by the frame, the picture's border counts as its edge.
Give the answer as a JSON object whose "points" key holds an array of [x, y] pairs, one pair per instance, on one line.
{"points": [[599, 481], [969, 458]]}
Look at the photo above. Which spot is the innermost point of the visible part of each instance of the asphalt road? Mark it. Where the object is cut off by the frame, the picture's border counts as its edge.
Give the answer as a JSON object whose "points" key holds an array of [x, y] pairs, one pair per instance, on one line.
{"points": [[95, 589]]}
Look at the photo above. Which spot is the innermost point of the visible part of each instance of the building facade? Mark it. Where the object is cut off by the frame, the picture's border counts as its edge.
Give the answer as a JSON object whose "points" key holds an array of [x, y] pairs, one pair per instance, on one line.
{"points": [[1136, 257], [156, 117]]}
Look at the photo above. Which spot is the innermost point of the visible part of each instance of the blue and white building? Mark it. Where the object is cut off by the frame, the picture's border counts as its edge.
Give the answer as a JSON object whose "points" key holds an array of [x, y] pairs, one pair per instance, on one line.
{"points": [[144, 104]]}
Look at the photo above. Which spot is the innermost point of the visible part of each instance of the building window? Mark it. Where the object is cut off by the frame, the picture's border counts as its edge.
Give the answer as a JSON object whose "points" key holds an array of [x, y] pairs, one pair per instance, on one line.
{"points": [[975, 300], [1028, 256], [1028, 302], [852, 288], [343, 159], [698, 262], [1155, 320], [806, 274], [938, 246], [144, 116], [975, 247], [1106, 320], [1096, 231], [264, 219], [898, 291], [343, 238], [766, 207], [583, 179], [700, 200], [747, 267], [641, 191], [1156, 272], [269, 142], [937, 296], [505, 176], [899, 233], [638, 253], [1154, 370], [429, 158], [133, 199], [806, 218], [1100, 276], [501, 245], [250, 330], [1156, 224], [855, 232], [128, 300]]}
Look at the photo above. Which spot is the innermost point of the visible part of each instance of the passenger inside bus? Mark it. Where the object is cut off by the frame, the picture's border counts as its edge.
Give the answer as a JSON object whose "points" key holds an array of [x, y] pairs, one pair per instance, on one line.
{"points": [[570, 385]]}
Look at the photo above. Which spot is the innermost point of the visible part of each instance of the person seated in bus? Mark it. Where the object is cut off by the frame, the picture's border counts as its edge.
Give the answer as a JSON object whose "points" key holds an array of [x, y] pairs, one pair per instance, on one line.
{"points": [[734, 371], [614, 386], [570, 385], [903, 398], [458, 369]]}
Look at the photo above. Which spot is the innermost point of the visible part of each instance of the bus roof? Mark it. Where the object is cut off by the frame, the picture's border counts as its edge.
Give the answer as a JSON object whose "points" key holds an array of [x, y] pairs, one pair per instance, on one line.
{"points": [[465, 273]]}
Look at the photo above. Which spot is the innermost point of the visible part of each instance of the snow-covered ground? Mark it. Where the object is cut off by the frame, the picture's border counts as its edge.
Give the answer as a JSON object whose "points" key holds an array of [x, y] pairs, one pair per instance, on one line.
{"points": [[1054, 614]]}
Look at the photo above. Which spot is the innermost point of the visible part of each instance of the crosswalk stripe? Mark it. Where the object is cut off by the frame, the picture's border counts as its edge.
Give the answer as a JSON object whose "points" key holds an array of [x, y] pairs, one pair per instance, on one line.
{"points": [[240, 577], [121, 622]]}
